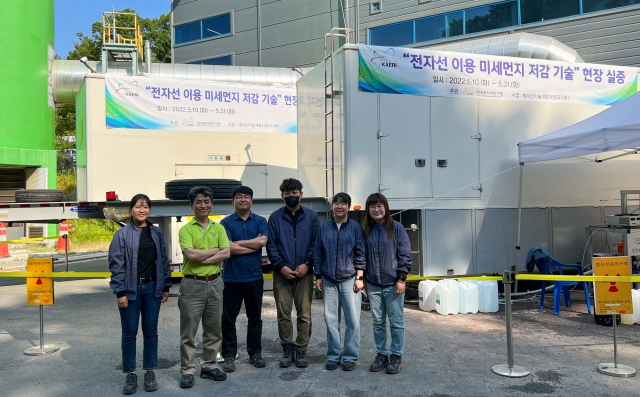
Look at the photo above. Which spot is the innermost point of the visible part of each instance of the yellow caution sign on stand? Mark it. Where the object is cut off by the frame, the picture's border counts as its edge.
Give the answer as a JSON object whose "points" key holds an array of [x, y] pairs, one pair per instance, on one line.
{"points": [[612, 297], [40, 289]]}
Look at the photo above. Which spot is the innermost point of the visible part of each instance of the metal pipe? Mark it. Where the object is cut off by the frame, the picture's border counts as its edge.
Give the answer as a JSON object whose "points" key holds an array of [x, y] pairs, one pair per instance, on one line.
{"points": [[357, 20], [519, 225], [42, 329], [259, 35], [615, 340], [147, 55], [346, 6], [66, 252], [510, 370], [508, 313]]}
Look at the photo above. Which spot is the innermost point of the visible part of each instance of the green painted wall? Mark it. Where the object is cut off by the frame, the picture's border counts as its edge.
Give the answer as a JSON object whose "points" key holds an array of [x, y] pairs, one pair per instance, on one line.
{"points": [[27, 127]]}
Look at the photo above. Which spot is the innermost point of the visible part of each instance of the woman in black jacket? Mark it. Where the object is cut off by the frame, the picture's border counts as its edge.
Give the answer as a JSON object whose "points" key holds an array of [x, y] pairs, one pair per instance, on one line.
{"points": [[388, 263], [140, 279]]}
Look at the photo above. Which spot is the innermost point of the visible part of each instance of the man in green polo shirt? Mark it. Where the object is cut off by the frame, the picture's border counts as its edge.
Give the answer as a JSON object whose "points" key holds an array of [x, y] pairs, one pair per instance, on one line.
{"points": [[204, 245]]}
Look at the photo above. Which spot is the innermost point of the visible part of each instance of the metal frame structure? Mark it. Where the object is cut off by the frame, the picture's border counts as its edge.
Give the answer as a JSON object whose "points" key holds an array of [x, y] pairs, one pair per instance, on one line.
{"points": [[349, 34], [118, 47]]}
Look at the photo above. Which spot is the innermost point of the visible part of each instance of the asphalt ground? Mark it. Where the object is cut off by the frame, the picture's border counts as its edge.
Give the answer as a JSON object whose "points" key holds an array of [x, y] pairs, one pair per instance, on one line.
{"points": [[445, 355]]}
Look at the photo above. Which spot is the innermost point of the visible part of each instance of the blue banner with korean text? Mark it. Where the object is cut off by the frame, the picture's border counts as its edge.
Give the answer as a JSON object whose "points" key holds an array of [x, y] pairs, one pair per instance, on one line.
{"points": [[399, 70], [194, 105]]}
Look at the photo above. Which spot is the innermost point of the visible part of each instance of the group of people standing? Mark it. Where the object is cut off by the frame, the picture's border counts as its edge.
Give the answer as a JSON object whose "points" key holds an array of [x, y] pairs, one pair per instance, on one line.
{"points": [[338, 254]]}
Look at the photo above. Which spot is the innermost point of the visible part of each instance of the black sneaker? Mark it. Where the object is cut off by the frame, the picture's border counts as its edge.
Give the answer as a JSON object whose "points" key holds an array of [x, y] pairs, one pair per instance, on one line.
{"points": [[348, 366], [214, 374], [301, 361], [150, 383], [331, 365], [287, 356], [257, 360], [394, 364], [229, 364], [131, 384], [380, 363], [187, 381]]}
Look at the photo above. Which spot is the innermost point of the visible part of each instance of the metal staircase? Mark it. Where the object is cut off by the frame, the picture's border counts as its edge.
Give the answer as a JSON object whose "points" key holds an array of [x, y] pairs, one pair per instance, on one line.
{"points": [[121, 43], [349, 36]]}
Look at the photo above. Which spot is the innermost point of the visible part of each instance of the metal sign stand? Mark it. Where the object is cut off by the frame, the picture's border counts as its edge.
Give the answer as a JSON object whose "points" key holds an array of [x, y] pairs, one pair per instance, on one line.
{"points": [[615, 369], [509, 370], [43, 349]]}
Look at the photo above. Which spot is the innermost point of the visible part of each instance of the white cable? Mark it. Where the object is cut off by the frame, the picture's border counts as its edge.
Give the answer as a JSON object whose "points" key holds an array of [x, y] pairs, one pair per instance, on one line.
{"points": [[587, 244], [453, 191]]}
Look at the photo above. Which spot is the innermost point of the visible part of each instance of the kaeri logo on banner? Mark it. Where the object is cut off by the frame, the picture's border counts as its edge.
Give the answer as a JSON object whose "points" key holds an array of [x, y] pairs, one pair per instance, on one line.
{"points": [[130, 89], [385, 59]]}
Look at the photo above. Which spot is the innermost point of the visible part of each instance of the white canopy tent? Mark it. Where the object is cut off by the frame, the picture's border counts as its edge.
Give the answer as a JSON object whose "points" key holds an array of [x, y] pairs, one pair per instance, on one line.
{"points": [[614, 129]]}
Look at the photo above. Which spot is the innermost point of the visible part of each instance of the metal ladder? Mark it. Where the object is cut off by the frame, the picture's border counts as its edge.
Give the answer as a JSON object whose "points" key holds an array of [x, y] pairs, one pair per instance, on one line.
{"points": [[349, 34]]}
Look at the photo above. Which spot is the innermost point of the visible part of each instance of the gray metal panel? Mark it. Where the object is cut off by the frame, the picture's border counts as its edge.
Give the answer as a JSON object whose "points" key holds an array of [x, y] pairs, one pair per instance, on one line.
{"points": [[361, 141], [449, 235], [247, 59], [496, 237], [568, 233], [239, 43], [309, 52], [454, 121], [298, 30], [282, 11], [190, 10], [405, 119]]}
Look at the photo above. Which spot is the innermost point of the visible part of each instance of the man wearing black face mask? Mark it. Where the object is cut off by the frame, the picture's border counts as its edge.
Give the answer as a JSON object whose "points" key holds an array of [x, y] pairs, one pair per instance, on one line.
{"points": [[292, 235]]}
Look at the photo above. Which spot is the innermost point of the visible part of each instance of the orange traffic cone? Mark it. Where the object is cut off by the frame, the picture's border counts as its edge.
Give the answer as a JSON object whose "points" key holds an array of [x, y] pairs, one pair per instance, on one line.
{"points": [[4, 248], [64, 231]]}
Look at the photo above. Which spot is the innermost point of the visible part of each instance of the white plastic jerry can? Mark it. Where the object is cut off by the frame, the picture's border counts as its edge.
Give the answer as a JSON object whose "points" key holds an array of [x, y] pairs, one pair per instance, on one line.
{"points": [[468, 297], [427, 295], [631, 319], [488, 296], [447, 297], [635, 296]]}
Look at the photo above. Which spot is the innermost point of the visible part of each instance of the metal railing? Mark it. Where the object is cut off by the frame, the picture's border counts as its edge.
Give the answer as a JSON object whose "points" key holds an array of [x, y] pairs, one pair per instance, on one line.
{"points": [[111, 35]]}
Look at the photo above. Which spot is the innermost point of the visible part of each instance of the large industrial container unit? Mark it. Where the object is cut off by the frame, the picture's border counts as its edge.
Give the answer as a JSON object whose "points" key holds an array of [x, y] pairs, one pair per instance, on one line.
{"points": [[27, 146], [431, 157]]}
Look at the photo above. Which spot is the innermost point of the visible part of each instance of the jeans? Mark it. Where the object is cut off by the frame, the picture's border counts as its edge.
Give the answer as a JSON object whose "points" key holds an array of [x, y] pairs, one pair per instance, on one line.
{"points": [[147, 305], [233, 295], [200, 301], [385, 302], [288, 293], [336, 297]]}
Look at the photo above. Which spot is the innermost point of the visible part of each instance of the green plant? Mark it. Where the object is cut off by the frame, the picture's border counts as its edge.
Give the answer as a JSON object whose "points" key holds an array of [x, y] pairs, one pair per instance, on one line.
{"points": [[67, 181], [81, 227]]}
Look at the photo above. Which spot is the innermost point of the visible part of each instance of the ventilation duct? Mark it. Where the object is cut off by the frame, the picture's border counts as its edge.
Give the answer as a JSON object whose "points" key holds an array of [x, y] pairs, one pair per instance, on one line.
{"points": [[519, 45], [69, 75]]}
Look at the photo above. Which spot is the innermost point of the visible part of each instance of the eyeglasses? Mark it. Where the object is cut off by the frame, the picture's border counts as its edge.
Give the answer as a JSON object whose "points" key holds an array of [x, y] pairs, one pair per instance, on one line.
{"points": [[376, 207]]}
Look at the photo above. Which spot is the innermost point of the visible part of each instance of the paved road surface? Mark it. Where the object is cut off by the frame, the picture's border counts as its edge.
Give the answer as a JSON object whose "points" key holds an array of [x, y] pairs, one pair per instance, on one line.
{"points": [[445, 356]]}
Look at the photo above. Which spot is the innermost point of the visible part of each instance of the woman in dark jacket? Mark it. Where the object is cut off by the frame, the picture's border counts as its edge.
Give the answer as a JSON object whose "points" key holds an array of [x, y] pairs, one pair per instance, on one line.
{"points": [[140, 279], [339, 265], [388, 264]]}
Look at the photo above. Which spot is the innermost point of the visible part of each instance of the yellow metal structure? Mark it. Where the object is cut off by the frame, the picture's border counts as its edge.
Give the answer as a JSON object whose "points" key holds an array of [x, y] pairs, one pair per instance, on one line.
{"points": [[111, 35]]}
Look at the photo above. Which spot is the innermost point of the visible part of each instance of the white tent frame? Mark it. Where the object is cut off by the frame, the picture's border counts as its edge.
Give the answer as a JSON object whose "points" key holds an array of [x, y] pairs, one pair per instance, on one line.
{"points": [[632, 149]]}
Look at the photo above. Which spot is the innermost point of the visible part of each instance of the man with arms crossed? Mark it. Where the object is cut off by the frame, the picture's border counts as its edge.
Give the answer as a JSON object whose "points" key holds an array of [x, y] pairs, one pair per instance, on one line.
{"points": [[292, 234], [243, 280], [204, 245]]}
